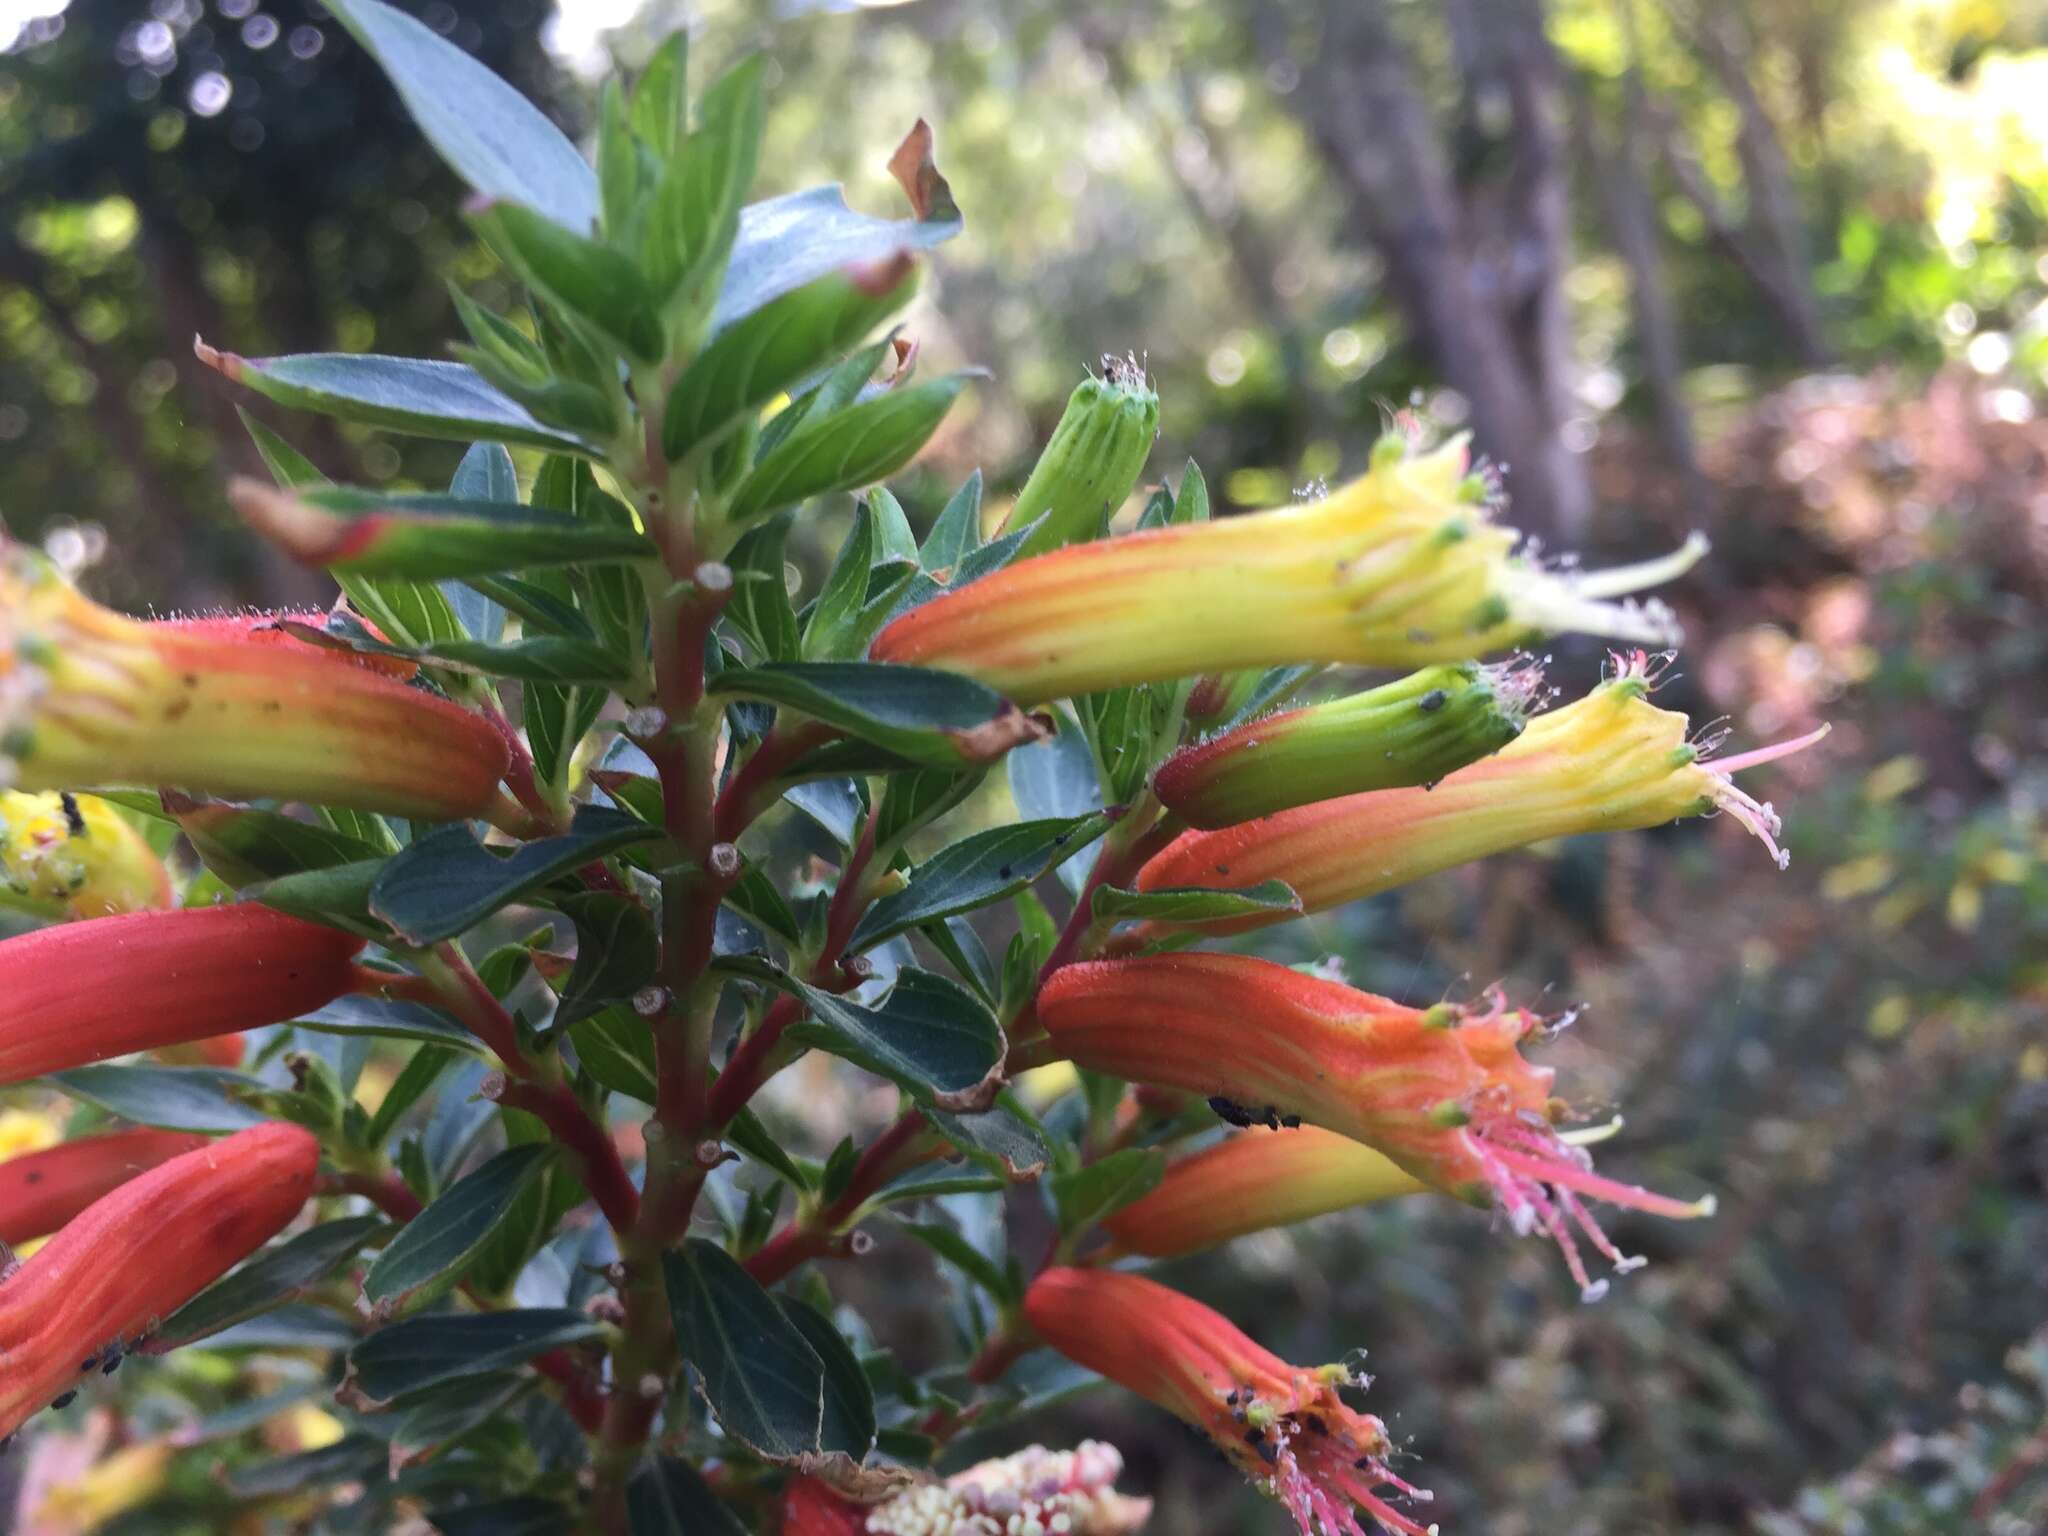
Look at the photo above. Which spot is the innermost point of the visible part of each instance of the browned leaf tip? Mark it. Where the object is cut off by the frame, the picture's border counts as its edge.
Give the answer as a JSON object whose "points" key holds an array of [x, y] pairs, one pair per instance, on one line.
{"points": [[224, 362], [876, 278], [299, 530], [981, 1097], [1010, 727], [918, 175]]}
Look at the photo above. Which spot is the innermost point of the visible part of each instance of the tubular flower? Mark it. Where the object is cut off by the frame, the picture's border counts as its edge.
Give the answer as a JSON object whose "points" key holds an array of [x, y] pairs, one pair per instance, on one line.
{"points": [[130, 1477], [1284, 1426], [40, 1191], [142, 1252], [87, 991], [1443, 1092], [1413, 731], [1254, 1181], [1399, 568], [65, 856], [1035, 1492], [1610, 762], [221, 706]]}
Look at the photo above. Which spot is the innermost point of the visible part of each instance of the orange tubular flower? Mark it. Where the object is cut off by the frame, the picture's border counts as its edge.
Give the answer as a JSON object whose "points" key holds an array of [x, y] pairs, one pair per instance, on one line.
{"points": [[1610, 762], [65, 856], [86, 991], [141, 1253], [224, 707], [1285, 1427], [1443, 1092], [1254, 1181], [1399, 568], [40, 1191]]}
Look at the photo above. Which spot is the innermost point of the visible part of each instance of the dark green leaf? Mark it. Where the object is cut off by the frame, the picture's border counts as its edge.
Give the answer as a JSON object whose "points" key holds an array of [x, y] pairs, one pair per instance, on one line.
{"points": [[338, 896], [760, 1375], [202, 1099], [918, 713], [558, 716], [275, 1276], [425, 1351], [695, 211], [1194, 904], [405, 394], [438, 1418], [617, 950], [836, 805], [490, 135], [963, 1256], [748, 1134], [667, 1497], [838, 386], [1085, 1195], [1004, 1139], [853, 447], [622, 162], [241, 844], [920, 798], [296, 1325], [660, 94], [287, 466], [835, 615], [448, 881], [847, 1425], [354, 1458], [760, 606], [957, 530], [768, 351], [388, 1019], [432, 1251], [420, 1074], [1054, 777], [589, 280], [617, 1049], [979, 869]]}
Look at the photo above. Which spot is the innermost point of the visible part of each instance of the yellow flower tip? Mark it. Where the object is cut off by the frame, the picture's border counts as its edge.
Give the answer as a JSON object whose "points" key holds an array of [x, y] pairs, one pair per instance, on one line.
{"points": [[128, 1478], [65, 856], [27, 1130]]}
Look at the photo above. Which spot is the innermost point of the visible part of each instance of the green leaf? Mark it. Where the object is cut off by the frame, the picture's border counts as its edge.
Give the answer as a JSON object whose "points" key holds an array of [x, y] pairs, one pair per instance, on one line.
{"points": [[747, 1133], [767, 352], [979, 869], [338, 896], [490, 135], [202, 1099], [919, 713], [385, 1018], [273, 1277], [1054, 777], [785, 242], [241, 844], [667, 1497], [1194, 904], [695, 212], [436, 1419], [929, 1034], [428, 536], [1085, 1195], [617, 1049], [661, 93], [1004, 1139], [353, 1458], [919, 798], [760, 607], [286, 464], [621, 164], [523, 1515], [847, 1424], [448, 881], [587, 279], [617, 949], [405, 394], [836, 613], [853, 447], [957, 531], [758, 1372], [1191, 501], [432, 1251], [838, 386], [965, 1257], [421, 1072], [557, 718], [425, 1351]]}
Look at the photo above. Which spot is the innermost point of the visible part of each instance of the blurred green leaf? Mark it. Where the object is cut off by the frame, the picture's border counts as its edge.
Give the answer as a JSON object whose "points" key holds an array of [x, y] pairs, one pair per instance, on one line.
{"points": [[431, 1252]]}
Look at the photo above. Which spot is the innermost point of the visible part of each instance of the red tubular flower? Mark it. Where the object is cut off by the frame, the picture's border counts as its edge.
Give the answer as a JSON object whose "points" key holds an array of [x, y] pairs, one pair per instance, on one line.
{"points": [[227, 706], [142, 1252], [1254, 1181], [1609, 762], [1443, 1092], [1284, 1426], [87, 991], [812, 1507], [40, 1191], [214, 1051]]}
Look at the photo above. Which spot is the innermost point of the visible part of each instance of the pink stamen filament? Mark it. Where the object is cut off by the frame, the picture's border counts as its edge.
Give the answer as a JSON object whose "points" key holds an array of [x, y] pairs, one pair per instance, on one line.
{"points": [[1757, 757]]}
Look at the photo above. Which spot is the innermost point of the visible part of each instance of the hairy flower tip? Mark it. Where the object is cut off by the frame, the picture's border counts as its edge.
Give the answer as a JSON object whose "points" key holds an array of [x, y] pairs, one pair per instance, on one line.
{"points": [[1414, 731], [1285, 1427], [84, 992], [1254, 1181], [236, 706], [1609, 762], [1443, 1092], [1035, 1492], [141, 1252], [1402, 567], [41, 1190], [66, 856]]}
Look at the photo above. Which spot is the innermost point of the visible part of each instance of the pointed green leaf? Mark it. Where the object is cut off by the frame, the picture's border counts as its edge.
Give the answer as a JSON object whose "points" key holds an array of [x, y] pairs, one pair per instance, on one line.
{"points": [[919, 713], [425, 1351], [853, 447], [982, 868], [273, 1277], [667, 1497], [433, 1250], [1194, 904], [589, 280], [760, 1375], [202, 1099]]}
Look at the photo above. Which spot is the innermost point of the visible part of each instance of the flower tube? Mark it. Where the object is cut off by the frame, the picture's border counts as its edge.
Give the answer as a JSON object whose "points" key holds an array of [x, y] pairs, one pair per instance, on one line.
{"points": [[1254, 1181], [65, 856], [40, 1191], [1443, 1092], [1399, 568], [223, 707], [84, 992], [1610, 762], [1283, 1426], [142, 1252], [1411, 732]]}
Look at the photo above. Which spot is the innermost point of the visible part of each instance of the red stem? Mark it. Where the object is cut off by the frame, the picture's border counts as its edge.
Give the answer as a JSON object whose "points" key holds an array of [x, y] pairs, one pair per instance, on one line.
{"points": [[604, 1175], [745, 794], [387, 1191], [814, 1235]]}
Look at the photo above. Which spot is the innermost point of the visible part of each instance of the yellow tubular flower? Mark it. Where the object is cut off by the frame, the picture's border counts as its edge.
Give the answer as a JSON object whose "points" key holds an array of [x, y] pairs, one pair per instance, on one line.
{"points": [[1402, 567], [65, 856], [130, 1477]]}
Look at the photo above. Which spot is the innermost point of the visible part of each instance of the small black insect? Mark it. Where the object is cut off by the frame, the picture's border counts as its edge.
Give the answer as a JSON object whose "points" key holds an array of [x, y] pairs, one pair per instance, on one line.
{"points": [[1230, 1112], [64, 1401], [1434, 700], [73, 817]]}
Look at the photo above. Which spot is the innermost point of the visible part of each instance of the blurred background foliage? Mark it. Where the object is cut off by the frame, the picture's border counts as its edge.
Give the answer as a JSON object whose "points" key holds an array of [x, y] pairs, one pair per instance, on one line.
{"points": [[1779, 270]]}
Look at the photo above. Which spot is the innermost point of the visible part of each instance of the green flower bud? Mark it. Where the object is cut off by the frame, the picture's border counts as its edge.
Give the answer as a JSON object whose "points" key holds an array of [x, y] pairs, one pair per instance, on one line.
{"points": [[1096, 454], [1413, 731]]}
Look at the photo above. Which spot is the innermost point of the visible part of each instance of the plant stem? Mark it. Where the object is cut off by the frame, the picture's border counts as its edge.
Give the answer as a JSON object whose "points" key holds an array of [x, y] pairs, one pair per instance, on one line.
{"points": [[814, 1233]]}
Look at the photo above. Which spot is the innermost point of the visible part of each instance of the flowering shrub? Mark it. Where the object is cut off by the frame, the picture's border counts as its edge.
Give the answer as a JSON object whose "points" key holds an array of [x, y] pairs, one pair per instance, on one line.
{"points": [[470, 919]]}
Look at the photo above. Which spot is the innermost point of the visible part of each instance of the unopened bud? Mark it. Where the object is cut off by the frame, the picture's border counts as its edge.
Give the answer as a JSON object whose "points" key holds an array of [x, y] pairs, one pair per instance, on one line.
{"points": [[1094, 458]]}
